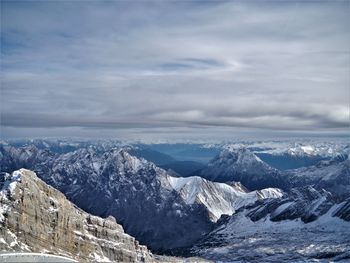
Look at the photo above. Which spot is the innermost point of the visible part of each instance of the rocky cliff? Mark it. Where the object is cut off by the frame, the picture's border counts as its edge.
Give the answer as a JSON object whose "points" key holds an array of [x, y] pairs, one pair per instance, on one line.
{"points": [[36, 217]]}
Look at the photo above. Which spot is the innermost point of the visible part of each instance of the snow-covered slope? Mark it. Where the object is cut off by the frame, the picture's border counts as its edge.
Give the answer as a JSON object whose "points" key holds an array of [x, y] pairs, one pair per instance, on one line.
{"points": [[275, 231], [240, 164], [305, 203], [219, 198]]}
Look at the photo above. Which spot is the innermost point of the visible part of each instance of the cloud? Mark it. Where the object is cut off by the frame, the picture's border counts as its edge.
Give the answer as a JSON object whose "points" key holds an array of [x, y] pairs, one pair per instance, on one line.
{"points": [[278, 65]]}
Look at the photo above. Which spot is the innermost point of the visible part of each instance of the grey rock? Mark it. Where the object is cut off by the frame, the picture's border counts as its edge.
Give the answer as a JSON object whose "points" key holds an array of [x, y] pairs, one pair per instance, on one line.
{"points": [[38, 218]]}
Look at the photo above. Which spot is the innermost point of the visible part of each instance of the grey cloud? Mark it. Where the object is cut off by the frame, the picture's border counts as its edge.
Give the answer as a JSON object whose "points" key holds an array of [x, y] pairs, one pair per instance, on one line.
{"points": [[279, 65], [23, 119]]}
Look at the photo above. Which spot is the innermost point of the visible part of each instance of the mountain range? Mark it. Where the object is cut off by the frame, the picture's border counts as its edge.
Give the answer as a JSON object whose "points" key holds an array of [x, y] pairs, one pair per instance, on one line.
{"points": [[143, 197], [184, 215]]}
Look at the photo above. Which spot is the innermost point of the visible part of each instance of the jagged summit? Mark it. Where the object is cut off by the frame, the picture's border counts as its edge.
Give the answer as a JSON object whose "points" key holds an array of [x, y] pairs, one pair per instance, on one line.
{"points": [[241, 155], [240, 164]]}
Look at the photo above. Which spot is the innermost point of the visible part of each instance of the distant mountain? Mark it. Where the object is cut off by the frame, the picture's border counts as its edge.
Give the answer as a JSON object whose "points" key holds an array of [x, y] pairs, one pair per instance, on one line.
{"points": [[240, 164], [333, 175], [284, 155], [36, 217], [305, 226], [302, 148], [296, 155], [161, 211]]}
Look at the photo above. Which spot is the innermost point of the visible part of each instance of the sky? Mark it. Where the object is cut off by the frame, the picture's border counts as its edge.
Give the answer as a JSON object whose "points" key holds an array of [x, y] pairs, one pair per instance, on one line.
{"points": [[174, 69]]}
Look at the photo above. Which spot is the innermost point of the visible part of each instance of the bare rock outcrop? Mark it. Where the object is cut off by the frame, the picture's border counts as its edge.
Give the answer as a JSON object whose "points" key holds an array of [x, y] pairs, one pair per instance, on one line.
{"points": [[38, 218]]}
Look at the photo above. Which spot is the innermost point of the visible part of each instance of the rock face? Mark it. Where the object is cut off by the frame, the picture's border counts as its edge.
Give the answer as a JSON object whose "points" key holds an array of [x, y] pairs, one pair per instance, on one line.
{"points": [[305, 203], [36, 217], [343, 210]]}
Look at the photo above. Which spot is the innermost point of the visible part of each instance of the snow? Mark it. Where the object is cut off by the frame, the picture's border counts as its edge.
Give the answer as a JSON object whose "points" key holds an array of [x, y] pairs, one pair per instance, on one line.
{"points": [[8, 188], [179, 182], [218, 198], [308, 149], [270, 193], [11, 182], [282, 208], [14, 241], [53, 209], [196, 189], [100, 258], [243, 240], [3, 209], [96, 166], [300, 148], [232, 164], [33, 257]]}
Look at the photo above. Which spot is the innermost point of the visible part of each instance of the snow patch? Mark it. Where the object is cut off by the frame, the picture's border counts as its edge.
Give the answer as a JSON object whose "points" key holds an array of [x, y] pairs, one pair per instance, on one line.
{"points": [[100, 258]]}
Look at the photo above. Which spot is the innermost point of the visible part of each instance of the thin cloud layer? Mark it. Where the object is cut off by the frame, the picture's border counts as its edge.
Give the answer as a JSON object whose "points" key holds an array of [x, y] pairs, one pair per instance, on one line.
{"points": [[174, 66]]}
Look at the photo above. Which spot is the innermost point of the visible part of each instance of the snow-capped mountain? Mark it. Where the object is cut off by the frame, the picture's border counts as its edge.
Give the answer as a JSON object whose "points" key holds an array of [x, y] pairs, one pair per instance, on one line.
{"points": [[324, 150], [167, 212], [305, 226], [285, 155], [160, 210], [35, 217], [219, 198], [334, 176], [240, 164]]}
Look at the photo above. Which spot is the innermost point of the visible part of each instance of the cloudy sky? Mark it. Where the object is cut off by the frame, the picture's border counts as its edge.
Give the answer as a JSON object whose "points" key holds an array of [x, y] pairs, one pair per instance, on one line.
{"points": [[174, 69]]}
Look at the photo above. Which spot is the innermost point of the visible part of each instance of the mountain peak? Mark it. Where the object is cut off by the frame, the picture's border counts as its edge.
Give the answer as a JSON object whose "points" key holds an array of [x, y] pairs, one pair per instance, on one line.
{"points": [[240, 155], [240, 164]]}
